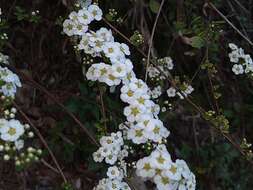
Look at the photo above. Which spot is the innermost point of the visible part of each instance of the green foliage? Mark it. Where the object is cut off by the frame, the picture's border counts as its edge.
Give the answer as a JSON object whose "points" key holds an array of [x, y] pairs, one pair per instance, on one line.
{"points": [[154, 6], [22, 15]]}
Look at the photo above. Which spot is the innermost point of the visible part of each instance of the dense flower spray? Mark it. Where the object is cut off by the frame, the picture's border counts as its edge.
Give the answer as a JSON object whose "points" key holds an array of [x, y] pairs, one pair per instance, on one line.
{"points": [[143, 124]]}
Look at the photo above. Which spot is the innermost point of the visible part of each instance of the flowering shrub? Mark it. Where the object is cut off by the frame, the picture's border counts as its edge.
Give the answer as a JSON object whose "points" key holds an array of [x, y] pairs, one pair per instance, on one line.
{"points": [[242, 62], [13, 134], [160, 106], [142, 124]]}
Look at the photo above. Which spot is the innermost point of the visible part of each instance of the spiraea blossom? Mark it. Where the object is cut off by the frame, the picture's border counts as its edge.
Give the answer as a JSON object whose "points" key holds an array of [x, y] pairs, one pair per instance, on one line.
{"points": [[9, 81], [13, 133], [165, 173], [242, 63], [161, 70], [143, 123], [11, 130], [111, 149]]}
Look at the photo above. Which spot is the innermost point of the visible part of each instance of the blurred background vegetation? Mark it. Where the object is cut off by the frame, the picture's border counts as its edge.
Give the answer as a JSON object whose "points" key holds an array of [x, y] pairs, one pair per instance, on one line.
{"points": [[186, 30]]}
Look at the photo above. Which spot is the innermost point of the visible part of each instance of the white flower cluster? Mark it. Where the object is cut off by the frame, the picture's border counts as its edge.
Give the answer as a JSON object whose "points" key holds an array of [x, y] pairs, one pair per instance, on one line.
{"points": [[156, 92], [242, 63], [161, 70], [185, 91], [110, 184], [165, 173], [77, 24], [4, 58], [9, 82], [111, 149], [141, 112], [11, 130]]}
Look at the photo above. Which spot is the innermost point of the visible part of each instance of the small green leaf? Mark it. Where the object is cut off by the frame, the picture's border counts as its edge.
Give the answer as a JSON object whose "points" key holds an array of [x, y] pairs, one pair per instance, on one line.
{"points": [[154, 6], [197, 42]]}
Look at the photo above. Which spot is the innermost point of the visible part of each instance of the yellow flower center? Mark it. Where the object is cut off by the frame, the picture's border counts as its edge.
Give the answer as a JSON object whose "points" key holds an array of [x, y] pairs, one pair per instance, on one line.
{"points": [[111, 77], [156, 130], [165, 180], [103, 71], [135, 111], [12, 131], [138, 133], [173, 169], [130, 93], [160, 160], [141, 100], [147, 167], [110, 50]]}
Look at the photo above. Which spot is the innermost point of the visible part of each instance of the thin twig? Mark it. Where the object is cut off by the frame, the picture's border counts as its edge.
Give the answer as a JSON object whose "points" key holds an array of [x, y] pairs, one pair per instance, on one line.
{"points": [[199, 109], [49, 166], [42, 139], [102, 106], [41, 88], [230, 23], [242, 7], [152, 37]]}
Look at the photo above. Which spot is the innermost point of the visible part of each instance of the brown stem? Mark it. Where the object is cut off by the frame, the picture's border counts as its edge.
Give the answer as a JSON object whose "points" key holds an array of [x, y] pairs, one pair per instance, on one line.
{"points": [[211, 5], [42, 139], [44, 90], [152, 37]]}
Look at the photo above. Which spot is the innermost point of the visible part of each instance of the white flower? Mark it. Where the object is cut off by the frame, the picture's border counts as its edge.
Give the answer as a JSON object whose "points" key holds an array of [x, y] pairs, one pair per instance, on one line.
{"points": [[114, 184], [106, 141], [84, 3], [136, 134], [68, 27], [15, 130], [156, 92], [129, 93], [97, 156], [165, 183], [189, 89], [10, 82], [84, 17], [248, 59], [96, 12], [169, 63], [110, 79], [111, 159], [171, 92], [234, 57], [105, 151], [173, 173], [144, 168], [73, 16], [84, 43], [97, 44], [4, 58], [114, 173], [133, 112], [237, 69], [124, 48], [232, 46], [19, 144], [119, 70], [111, 49], [117, 138], [160, 160], [80, 29], [155, 131], [3, 126], [105, 34]]}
